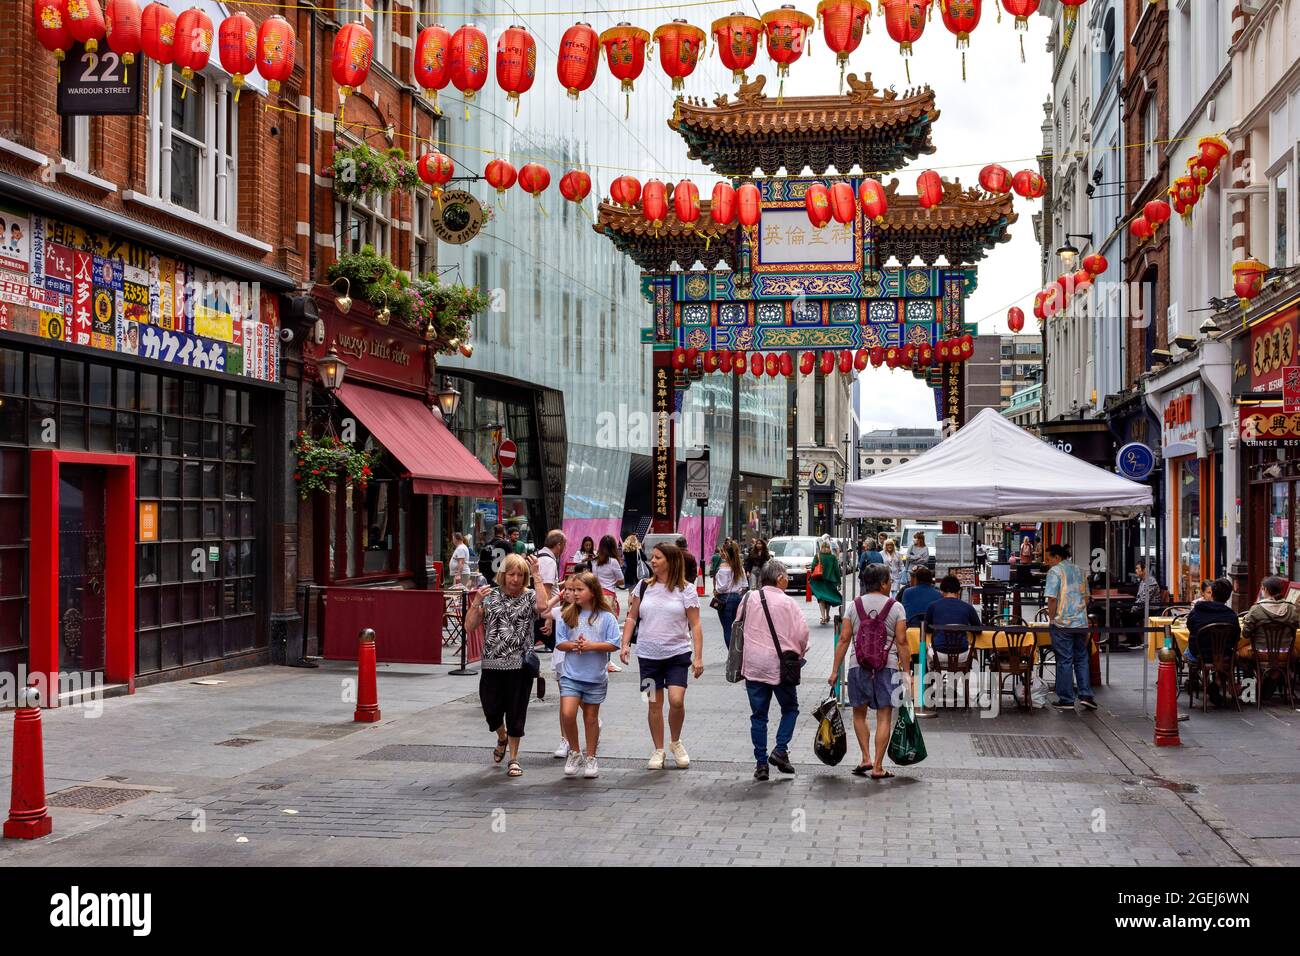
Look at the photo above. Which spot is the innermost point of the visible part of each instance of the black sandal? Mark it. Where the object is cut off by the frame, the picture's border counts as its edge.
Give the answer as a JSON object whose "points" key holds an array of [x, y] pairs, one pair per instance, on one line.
{"points": [[514, 770], [499, 752], [861, 771]]}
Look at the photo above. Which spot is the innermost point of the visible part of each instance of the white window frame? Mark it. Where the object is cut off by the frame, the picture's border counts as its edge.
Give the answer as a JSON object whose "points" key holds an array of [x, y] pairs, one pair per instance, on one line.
{"points": [[381, 27], [80, 152], [426, 14], [1284, 167], [217, 201], [1150, 124], [376, 224], [421, 245]]}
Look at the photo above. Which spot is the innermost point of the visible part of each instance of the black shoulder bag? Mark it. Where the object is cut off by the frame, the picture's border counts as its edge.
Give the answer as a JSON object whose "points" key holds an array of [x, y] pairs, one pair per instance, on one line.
{"points": [[640, 593], [790, 663]]}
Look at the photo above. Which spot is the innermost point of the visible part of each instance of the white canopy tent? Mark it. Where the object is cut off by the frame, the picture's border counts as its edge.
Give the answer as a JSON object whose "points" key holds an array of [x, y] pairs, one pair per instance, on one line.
{"points": [[993, 469]]}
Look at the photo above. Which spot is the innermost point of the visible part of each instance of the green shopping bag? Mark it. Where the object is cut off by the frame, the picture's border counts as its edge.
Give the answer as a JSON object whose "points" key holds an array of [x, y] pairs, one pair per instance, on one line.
{"points": [[906, 745]]}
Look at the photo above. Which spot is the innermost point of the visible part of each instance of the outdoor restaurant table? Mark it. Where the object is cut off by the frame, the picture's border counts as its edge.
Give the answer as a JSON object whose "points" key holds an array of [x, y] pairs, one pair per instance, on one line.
{"points": [[984, 640], [1180, 636]]}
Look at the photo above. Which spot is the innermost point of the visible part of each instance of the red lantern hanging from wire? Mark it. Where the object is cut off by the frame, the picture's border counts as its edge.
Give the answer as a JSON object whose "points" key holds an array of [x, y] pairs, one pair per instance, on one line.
{"points": [[845, 362], [1095, 264], [626, 191], [1082, 281], [1029, 184], [807, 362], [350, 65], [1141, 229], [877, 355], [722, 204], [1211, 151], [624, 47], [724, 362], [756, 364], [679, 50], [874, 202], [193, 44], [432, 60], [1156, 212], [533, 179], [817, 201], [575, 185], [122, 31], [710, 361], [52, 31], [929, 189], [500, 175], [995, 179], [1015, 319], [738, 362], [844, 206], [749, 204], [1248, 280], [157, 34], [826, 363], [961, 17], [467, 62], [1040, 299], [237, 48], [686, 203], [654, 203], [516, 63], [579, 59], [436, 170], [787, 364], [1022, 10], [786, 30], [905, 21], [861, 359], [843, 24], [735, 37], [86, 23], [276, 45]]}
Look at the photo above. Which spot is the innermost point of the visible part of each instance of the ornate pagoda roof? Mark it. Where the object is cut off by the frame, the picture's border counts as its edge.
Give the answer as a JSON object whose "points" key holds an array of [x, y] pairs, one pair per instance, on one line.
{"points": [[878, 131], [962, 229]]}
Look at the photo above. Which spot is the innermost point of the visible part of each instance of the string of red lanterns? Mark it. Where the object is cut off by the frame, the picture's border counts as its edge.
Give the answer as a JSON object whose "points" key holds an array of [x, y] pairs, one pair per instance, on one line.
{"points": [[952, 350]]}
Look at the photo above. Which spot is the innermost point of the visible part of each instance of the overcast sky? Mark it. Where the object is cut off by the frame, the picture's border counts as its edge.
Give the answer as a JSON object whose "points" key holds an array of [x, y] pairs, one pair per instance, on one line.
{"points": [[995, 116]]}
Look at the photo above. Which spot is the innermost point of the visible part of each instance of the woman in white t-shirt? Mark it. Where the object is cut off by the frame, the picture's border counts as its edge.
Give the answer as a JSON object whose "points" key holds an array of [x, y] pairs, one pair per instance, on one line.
{"points": [[609, 571], [459, 562], [728, 585], [664, 617]]}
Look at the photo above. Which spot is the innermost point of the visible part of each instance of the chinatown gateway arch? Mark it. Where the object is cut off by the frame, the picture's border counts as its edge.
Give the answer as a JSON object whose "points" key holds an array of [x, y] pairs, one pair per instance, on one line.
{"points": [[793, 288]]}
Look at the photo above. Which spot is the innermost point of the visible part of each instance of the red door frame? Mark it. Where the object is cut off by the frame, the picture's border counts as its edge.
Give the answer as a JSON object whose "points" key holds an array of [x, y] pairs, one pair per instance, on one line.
{"points": [[119, 566]]}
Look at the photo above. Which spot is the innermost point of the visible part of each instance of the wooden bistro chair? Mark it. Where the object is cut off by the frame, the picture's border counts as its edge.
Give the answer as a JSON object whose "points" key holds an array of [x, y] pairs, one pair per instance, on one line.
{"points": [[952, 663], [1013, 659], [1046, 655], [1273, 654], [1222, 667]]}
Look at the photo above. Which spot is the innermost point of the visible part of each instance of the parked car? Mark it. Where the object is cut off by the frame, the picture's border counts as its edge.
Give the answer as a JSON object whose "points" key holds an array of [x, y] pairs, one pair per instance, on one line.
{"points": [[797, 554]]}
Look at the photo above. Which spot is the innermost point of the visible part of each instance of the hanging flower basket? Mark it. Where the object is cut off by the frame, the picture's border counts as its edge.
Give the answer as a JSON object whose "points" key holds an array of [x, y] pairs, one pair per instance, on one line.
{"points": [[321, 460], [361, 171]]}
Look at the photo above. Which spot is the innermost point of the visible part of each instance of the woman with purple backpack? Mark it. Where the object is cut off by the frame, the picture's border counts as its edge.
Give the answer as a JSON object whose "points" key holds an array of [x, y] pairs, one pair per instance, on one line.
{"points": [[879, 675]]}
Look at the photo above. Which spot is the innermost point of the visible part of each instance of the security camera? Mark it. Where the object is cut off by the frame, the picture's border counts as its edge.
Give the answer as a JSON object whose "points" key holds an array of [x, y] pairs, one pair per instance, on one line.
{"points": [[286, 335]]}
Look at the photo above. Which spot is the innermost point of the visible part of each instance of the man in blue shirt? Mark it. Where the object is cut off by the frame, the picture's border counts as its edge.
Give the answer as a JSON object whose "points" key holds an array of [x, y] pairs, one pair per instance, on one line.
{"points": [[950, 609], [1067, 610], [920, 595]]}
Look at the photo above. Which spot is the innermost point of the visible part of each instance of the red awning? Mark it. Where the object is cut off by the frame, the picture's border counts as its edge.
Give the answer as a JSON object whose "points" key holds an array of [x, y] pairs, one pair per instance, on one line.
{"points": [[414, 435]]}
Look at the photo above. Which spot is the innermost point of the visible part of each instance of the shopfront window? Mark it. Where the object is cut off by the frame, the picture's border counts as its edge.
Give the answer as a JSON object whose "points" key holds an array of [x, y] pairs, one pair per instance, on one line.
{"points": [[1187, 473], [1279, 530]]}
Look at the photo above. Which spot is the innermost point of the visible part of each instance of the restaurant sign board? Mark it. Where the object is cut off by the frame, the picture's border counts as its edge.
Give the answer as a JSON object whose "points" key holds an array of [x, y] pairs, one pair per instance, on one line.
{"points": [[1180, 421], [1261, 358], [1268, 426]]}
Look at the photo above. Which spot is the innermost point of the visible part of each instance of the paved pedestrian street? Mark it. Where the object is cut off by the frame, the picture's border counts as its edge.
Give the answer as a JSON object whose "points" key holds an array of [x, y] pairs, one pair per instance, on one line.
{"points": [[267, 767]]}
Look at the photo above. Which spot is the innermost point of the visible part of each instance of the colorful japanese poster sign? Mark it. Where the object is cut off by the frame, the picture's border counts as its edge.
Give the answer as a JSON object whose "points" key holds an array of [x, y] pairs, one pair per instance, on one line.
{"points": [[15, 240]]}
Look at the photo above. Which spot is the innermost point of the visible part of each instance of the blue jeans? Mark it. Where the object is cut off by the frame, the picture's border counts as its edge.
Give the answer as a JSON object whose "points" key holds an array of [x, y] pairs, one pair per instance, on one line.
{"points": [[727, 615], [1072, 665], [760, 696]]}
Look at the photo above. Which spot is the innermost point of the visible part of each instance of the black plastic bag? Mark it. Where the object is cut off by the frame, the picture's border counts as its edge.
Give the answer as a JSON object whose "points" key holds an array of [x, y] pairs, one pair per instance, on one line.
{"points": [[830, 743]]}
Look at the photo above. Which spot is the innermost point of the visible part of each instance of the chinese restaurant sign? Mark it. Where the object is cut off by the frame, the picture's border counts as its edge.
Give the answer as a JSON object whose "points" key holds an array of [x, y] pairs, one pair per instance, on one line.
{"points": [[1291, 389], [69, 284], [1261, 357], [1267, 426]]}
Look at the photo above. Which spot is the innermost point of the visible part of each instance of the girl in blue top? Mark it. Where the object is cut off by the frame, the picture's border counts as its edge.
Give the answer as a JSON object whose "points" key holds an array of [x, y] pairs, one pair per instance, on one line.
{"points": [[587, 633]]}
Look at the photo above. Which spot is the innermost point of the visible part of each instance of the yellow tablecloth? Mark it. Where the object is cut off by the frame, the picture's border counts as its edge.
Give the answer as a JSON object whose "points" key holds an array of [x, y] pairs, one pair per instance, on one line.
{"points": [[1179, 632], [984, 641]]}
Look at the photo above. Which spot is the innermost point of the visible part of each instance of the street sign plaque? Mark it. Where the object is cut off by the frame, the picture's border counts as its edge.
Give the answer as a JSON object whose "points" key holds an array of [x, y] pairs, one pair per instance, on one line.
{"points": [[697, 478]]}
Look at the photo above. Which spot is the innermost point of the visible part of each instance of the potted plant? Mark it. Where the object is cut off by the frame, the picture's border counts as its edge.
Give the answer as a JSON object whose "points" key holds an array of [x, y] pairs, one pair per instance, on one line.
{"points": [[321, 460]]}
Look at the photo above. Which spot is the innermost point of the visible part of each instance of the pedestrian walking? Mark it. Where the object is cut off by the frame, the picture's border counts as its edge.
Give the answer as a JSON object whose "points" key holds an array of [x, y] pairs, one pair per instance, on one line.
{"points": [[585, 555], [631, 559], [548, 560], [690, 566], [894, 562], [729, 584], [493, 553], [609, 572], [918, 555], [664, 618], [757, 557], [773, 614], [879, 672], [825, 573], [588, 634], [561, 598], [508, 614], [1067, 608], [870, 555], [458, 563]]}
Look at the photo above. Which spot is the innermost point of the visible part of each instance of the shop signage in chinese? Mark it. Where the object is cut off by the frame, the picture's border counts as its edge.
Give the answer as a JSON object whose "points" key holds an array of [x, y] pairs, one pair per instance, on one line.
{"points": [[1260, 359], [1180, 421], [663, 463], [94, 290], [1268, 426], [1291, 389], [381, 354], [954, 389], [99, 84], [786, 237]]}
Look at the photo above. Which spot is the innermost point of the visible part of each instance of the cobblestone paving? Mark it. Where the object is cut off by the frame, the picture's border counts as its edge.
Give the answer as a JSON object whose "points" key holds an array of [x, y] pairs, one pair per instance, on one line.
{"points": [[306, 788]]}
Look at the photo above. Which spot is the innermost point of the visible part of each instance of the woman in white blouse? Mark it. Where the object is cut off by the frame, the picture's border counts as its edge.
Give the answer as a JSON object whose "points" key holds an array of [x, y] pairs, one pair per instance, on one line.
{"points": [[609, 570], [728, 585], [893, 561]]}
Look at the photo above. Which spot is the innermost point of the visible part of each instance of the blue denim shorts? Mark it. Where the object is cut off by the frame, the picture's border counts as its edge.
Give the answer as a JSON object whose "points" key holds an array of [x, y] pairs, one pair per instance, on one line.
{"points": [[875, 691], [589, 692]]}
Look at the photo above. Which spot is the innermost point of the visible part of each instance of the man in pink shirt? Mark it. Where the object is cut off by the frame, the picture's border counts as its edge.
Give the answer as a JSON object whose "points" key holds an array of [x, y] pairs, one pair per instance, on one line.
{"points": [[772, 622]]}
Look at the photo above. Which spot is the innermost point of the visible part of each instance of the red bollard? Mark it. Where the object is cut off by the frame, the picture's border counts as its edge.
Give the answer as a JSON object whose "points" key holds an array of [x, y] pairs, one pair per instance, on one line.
{"points": [[808, 588], [699, 584], [1167, 700], [367, 711], [29, 818]]}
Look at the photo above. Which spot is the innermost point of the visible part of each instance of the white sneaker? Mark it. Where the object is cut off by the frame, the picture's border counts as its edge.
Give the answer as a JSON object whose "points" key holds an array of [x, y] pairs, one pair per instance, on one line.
{"points": [[680, 755], [561, 751], [592, 770], [573, 764], [656, 760], [613, 669]]}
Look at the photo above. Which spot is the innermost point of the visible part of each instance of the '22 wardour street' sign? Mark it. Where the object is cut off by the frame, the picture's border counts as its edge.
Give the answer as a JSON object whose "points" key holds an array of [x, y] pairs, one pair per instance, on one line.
{"points": [[99, 84]]}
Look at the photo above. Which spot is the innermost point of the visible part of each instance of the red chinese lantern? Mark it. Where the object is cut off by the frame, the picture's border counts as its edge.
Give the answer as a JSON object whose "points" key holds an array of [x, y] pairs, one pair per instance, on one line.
{"points": [[625, 53], [817, 200], [1082, 281], [827, 362], [874, 202], [738, 362], [679, 359], [807, 362], [1212, 151], [773, 363], [575, 186], [787, 35], [961, 17], [692, 357], [1156, 212], [724, 362], [122, 30], [846, 362], [907, 354], [467, 62], [679, 50], [157, 32], [892, 355], [843, 23], [237, 48], [1071, 10], [436, 170], [654, 203], [709, 361], [516, 63], [1029, 184], [275, 50], [995, 179], [943, 351], [844, 206], [626, 191], [861, 359], [1141, 229], [787, 364], [756, 364], [686, 203], [85, 20], [51, 18], [749, 204], [533, 179], [1053, 300], [500, 175], [722, 204], [1095, 264], [1039, 312], [905, 21], [929, 189], [578, 60], [432, 60], [1248, 280], [925, 356], [1022, 10], [353, 48], [877, 357], [1015, 319], [735, 37], [193, 44]]}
